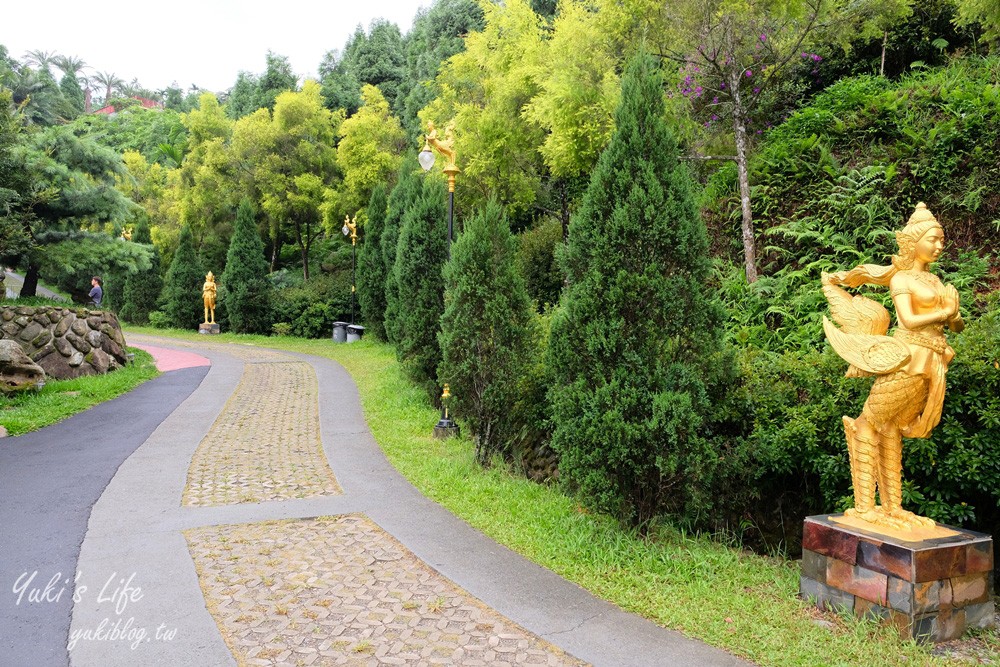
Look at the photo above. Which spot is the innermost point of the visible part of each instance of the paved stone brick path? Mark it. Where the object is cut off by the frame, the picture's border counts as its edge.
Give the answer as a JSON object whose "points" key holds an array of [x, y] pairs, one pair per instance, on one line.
{"points": [[214, 518], [341, 591], [266, 443]]}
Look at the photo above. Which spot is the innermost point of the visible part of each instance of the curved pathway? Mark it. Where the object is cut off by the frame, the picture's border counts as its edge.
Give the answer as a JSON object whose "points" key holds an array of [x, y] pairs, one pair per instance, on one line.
{"points": [[260, 524]]}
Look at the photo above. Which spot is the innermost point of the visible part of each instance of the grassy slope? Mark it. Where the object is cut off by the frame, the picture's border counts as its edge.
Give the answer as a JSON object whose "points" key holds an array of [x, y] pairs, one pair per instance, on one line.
{"points": [[60, 399], [742, 602]]}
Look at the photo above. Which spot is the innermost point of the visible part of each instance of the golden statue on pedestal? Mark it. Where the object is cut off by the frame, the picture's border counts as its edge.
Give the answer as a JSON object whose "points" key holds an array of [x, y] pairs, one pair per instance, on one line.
{"points": [[909, 366], [208, 292]]}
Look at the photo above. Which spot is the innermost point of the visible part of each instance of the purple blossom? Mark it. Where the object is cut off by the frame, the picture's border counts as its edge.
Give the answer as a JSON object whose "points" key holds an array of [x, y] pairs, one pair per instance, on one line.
{"points": [[763, 37], [722, 86], [816, 57], [715, 100], [756, 90], [749, 73], [714, 117]]}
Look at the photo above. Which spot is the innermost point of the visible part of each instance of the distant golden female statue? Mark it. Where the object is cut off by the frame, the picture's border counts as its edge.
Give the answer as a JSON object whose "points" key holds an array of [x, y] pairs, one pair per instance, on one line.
{"points": [[909, 366], [208, 292]]}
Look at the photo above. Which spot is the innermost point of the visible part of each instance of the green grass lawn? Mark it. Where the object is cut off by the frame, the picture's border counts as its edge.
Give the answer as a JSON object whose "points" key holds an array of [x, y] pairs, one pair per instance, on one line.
{"points": [[59, 399], [726, 596]]}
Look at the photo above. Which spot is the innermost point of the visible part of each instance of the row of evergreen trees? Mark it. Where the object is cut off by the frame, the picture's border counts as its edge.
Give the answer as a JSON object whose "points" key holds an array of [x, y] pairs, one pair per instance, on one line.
{"points": [[634, 363], [245, 291]]}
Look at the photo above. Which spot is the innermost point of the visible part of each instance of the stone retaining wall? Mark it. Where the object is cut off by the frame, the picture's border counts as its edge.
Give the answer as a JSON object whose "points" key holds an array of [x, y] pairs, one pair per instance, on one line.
{"points": [[66, 342], [540, 463]]}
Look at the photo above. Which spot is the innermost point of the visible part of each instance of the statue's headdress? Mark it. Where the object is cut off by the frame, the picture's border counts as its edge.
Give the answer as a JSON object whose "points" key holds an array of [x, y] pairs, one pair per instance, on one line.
{"points": [[919, 224]]}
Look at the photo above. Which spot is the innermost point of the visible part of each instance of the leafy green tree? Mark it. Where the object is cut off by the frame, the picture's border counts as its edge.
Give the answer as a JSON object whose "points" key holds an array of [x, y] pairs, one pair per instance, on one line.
{"points": [[246, 288], [483, 90], [420, 255], [401, 199], [634, 348], [204, 192], [252, 92], [375, 58], [242, 100], [181, 296], [984, 12], [142, 288], [487, 331], [437, 35], [369, 149], [372, 270]]}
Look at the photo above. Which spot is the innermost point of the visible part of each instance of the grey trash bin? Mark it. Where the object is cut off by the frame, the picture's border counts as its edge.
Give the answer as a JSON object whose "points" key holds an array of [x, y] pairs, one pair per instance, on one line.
{"points": [[340, 332], [354, 332]]}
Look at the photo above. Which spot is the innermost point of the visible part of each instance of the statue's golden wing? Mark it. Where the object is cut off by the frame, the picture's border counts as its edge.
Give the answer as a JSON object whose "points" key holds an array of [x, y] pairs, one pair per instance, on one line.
{"points": [[856, 314], [872, 353]]}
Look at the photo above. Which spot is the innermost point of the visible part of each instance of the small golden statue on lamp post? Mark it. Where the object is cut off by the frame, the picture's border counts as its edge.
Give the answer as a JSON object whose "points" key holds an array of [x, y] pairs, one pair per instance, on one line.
{"points": [[909, 366], [445, 147]]}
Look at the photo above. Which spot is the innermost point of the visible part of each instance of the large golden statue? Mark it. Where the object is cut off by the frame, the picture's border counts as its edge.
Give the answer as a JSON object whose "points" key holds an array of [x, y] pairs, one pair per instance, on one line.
{"points": [[909, 366], [208, 292]]}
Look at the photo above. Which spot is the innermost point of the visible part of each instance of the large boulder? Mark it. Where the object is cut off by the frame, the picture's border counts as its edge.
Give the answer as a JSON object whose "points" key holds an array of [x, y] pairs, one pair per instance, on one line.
{"points": [[17, 371]]}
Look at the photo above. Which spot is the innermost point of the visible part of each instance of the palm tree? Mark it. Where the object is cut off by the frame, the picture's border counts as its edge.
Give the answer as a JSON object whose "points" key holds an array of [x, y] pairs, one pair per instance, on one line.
{"points": [[39, 95], [41, 59], [110, 81], [70, 65]]}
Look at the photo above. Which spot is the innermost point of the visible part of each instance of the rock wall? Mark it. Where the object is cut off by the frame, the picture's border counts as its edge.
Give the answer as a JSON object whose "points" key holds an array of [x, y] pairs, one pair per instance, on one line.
{"points": [[540, 463], [66, 342]]}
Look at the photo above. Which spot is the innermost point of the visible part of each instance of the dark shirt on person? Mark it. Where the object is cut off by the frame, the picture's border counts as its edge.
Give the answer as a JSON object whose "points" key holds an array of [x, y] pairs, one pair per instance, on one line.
{"points": [[96, 294]]}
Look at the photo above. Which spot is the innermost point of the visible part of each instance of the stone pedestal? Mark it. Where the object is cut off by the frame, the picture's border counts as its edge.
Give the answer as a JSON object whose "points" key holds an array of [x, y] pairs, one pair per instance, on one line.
{"points": [[931, 589], [209, 329]]}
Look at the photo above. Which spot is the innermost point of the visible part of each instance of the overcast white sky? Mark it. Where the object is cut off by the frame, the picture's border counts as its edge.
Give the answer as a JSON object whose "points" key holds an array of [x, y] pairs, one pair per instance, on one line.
{"points": [[203, 42]]}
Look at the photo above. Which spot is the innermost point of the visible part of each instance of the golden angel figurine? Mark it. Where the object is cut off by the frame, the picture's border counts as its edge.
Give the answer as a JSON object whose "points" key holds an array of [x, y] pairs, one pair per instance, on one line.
{"points": [[909, 366], [208, 292]]}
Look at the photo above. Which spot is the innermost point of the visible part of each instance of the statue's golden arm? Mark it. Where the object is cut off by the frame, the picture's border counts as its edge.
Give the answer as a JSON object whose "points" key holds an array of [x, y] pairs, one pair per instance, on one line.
{"points": [[875, 354]]}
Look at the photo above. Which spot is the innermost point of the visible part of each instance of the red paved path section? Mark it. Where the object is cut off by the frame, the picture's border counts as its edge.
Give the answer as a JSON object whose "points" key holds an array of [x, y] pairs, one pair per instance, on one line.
{"points": [[172, 360]]}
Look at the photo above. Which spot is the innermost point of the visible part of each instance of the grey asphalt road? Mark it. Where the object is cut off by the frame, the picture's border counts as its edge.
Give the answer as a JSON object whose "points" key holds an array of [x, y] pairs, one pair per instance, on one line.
{"points": [[49, 481]]}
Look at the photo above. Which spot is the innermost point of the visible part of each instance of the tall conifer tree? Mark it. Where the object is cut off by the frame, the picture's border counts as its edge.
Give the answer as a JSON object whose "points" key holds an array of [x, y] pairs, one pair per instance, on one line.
{"points": [[181, 297], [420, 256], [142, 289], [634, 348], [371, 265], [246, 288], [487, 330], [403, 196]]}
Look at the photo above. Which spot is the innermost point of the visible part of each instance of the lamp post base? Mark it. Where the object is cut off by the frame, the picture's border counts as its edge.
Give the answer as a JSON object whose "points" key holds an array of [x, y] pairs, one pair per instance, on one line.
{"points": [[446, 428]]}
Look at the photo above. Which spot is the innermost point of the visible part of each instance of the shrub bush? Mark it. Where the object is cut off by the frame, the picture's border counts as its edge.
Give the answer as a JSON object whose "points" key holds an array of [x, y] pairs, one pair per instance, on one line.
{"points": [[310, 309]]}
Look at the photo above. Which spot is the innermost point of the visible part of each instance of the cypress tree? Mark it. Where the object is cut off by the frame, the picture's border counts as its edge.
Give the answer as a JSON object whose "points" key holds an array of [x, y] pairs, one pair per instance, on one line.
{"points": [[635, 347], [371, 265], [420, 255], [142, 289], [403, 196], [487, 330], [245, 287], [181, 296]]}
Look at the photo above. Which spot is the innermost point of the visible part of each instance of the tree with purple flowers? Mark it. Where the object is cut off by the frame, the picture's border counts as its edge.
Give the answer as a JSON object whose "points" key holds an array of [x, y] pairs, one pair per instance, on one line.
{"points": [[731, 51]]}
